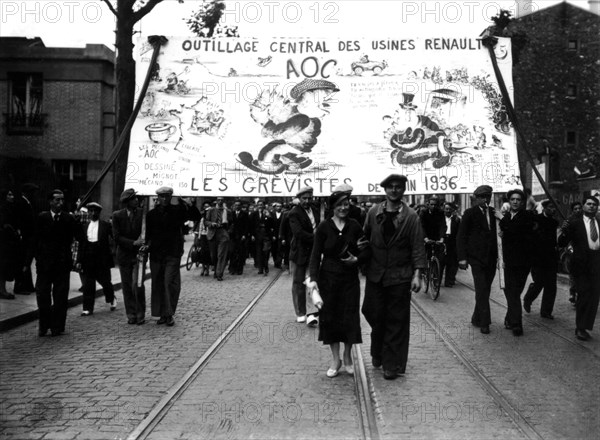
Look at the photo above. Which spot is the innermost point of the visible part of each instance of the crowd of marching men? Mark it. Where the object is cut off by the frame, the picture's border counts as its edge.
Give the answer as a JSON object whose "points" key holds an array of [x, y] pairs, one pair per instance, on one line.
{"points": [[229, 231]]}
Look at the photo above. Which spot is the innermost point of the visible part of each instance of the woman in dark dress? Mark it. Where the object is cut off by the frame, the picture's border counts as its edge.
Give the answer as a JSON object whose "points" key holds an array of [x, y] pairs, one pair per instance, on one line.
{"points": [[334, 269]]}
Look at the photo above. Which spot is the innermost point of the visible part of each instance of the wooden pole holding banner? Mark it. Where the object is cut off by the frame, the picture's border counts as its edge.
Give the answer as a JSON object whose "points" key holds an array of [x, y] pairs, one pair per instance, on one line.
{"points": [[500, 256], [490, 42], [157, 42]]}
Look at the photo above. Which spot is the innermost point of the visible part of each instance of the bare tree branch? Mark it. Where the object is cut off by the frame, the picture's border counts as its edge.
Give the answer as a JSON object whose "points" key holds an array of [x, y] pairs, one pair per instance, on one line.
{"points": [[111, 7], [144, 10]]}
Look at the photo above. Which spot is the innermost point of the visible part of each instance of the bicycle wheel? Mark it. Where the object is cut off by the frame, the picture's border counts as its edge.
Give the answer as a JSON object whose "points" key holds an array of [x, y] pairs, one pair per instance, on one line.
{"points": [[426, 278], [190, 259], [435, 279]]}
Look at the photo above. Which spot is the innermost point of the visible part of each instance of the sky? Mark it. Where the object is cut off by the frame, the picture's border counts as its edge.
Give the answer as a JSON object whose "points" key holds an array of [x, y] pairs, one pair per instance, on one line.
{"points": [[73, 23]]}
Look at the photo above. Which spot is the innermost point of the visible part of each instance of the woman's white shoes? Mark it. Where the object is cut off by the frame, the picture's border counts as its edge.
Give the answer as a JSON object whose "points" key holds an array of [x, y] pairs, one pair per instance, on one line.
{"points": [[349, 369], [333, 372]]}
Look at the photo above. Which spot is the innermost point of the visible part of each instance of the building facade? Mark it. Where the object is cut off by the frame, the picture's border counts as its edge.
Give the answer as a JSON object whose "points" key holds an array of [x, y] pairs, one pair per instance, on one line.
{"points": [[58, 117], [557, 97]]}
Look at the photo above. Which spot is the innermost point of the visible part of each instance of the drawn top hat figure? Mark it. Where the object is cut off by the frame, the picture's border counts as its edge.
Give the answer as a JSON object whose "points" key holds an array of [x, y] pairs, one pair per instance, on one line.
{"points": [[408, 99]]}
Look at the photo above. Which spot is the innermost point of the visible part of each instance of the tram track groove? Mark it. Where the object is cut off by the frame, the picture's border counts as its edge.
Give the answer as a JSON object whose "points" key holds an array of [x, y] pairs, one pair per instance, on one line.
{"points": [[513, 413], [146, 426]]}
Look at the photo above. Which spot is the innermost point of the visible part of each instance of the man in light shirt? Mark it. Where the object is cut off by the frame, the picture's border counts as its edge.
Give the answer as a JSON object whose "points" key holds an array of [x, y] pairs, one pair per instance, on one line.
{"points": [[584, 234], [96, 260]]}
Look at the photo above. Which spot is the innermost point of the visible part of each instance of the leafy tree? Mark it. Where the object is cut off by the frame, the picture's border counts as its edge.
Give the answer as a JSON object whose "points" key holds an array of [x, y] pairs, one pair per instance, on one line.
{"points": [[206, 21]]}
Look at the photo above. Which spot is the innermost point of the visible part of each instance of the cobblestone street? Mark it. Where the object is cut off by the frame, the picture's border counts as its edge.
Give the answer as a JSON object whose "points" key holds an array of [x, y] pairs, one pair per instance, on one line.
{"points": [[104, 378]]}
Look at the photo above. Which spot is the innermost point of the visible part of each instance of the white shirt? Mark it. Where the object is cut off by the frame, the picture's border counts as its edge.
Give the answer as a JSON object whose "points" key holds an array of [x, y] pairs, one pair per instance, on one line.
{"points": [[92, 231], [448, 225], [311, 217], [594, 245]]}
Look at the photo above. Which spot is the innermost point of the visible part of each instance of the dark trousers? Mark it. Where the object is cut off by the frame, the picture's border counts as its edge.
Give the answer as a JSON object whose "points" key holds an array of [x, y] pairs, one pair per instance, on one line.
{"points": [[262, 254], [276, 249], [544, 277], [387, 310], [219, 250], [237, 256], [515, 278], [90, 275], [166, 285], [134, 297], [588, 293], [483, 276], [52, 294], [450, 265], [298, 288]]}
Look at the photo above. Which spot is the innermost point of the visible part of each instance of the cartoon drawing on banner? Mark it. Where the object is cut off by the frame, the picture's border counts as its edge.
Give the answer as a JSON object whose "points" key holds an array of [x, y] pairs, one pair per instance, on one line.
{"points": [[294, 126], [364, 64], [437, 133]]}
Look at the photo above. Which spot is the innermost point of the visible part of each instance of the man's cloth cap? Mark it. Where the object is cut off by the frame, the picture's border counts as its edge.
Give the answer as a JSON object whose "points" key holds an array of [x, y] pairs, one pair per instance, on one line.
{"points": [[304, 190], [94, 205], [127, 195], [164, 190], [483, 190], [308, 84], [393, 178], [344, 187]]}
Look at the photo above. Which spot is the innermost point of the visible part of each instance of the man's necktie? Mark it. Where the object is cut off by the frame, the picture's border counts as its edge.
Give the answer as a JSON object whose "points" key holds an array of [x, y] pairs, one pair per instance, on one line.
{"points": [[56, 217], [593, 231]]}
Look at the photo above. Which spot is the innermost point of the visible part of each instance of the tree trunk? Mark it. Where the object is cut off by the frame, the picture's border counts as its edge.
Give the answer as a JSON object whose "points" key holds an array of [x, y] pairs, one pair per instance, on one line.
{"points": [[125, 70]]}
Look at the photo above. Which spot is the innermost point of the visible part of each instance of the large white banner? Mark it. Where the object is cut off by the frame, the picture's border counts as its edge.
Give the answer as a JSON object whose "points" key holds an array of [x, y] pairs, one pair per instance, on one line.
{"points": [[247, 117]]}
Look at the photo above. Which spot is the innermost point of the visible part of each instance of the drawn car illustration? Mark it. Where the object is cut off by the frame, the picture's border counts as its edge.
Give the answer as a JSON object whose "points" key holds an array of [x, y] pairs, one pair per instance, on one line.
{"points": [[361, 66]]}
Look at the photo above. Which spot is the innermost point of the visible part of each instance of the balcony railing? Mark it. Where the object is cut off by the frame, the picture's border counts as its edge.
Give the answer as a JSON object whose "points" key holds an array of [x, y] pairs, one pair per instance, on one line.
{"points": [[29, 123]]}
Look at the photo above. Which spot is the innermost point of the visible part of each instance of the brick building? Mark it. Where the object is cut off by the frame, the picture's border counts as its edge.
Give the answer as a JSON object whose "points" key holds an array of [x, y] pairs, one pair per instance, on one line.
{"points": [[557, 96], [57, 125]]}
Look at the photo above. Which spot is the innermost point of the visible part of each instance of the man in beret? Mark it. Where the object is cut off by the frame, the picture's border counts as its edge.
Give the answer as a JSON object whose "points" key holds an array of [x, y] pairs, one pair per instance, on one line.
{"points": [[544, 268], [517, 229], [303, 220], [26, 217], [584, 234], [395, 235], [54, 232], [477, 245], [127, 233], [164, 241], [96, 260]]}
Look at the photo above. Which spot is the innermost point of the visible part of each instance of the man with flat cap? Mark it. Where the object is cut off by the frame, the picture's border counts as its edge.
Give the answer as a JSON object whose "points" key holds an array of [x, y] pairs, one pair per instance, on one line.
{"points": [[477, 245], [395, 237], [96, 260], [127, 232], [303, 220], [164, 240]]}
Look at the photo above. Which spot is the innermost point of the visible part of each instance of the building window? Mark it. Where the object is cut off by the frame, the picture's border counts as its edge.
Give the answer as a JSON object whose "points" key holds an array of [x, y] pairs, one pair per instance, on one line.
{"points": [[25, 97], [571, 138], [571, 90], [573, 45], [70, 170]]}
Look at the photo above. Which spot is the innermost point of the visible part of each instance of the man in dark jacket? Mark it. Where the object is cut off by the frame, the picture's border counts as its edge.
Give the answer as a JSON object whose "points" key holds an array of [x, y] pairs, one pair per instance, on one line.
{"points": [[303, 219], [450, 260], [545, 264], [517, 228], [261, 229], [397, 258], [164, 239], [584, 234], [240, 227], [477, 245], [127, 233], [96, 260], [54, 232]]}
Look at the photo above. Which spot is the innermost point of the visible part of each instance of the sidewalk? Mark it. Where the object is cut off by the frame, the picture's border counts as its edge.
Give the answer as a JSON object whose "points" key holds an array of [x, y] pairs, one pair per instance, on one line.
{"points": [[24, 308]]}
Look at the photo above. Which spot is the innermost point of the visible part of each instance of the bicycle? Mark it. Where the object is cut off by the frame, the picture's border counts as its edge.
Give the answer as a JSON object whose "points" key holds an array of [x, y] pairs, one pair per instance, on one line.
{"points": [[193, 254], [432, 276]]}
